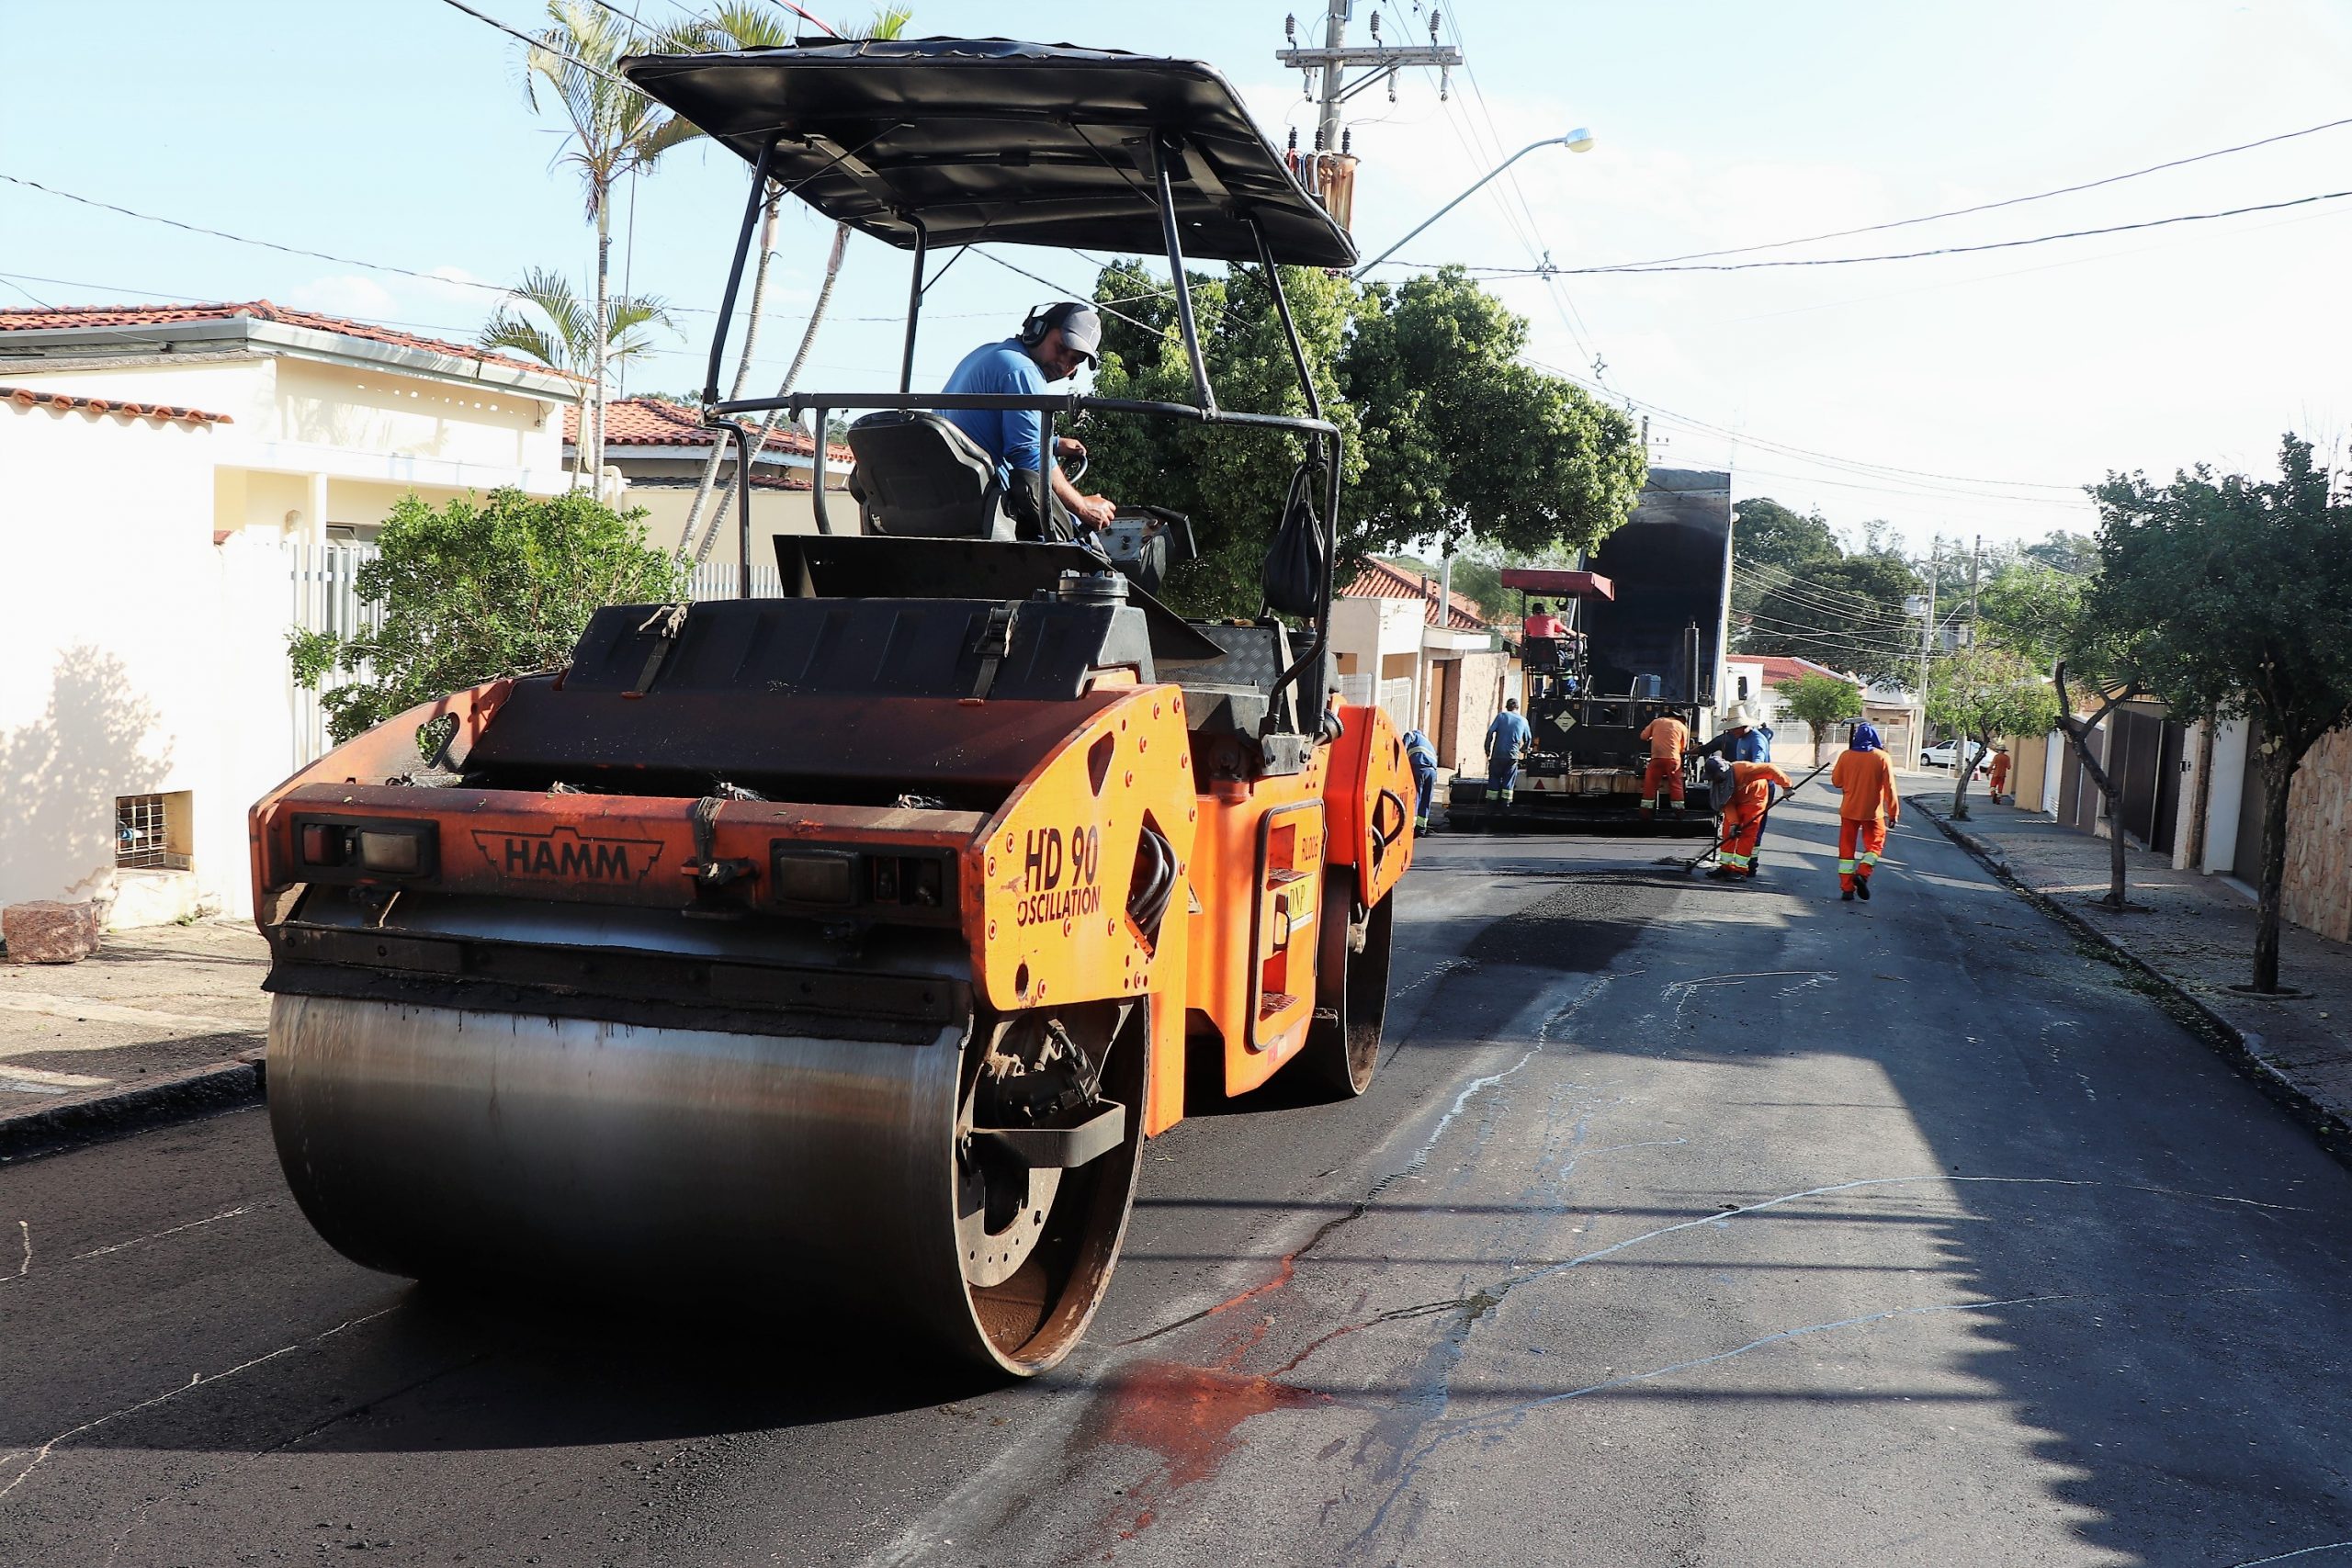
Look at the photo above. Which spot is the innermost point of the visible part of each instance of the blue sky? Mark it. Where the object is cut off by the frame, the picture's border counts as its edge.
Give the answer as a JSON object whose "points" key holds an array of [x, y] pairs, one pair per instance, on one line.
{"points": [[1959, 394]]}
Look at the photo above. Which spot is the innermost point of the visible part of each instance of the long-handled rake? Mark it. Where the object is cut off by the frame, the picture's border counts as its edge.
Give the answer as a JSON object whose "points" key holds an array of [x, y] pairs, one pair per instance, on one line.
{"points": [[1715, 849]]}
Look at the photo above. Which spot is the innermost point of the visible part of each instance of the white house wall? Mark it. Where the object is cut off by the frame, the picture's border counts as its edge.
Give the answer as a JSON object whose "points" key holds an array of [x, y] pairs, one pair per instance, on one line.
{"points": [[108, 685]]}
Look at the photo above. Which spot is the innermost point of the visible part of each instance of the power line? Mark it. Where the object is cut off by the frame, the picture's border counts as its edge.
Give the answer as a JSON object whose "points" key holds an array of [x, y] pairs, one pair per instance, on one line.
{"points": [[541, 44], [1903, 255], [247, 239], [1871, 617], [1851, 465], [1992, 205]]}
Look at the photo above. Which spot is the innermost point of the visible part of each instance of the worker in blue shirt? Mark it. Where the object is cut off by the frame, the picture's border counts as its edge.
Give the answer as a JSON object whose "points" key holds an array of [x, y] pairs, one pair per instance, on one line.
{"points": [[1743, 739], [1506, 739], [1422, 757], [1051, 346]]}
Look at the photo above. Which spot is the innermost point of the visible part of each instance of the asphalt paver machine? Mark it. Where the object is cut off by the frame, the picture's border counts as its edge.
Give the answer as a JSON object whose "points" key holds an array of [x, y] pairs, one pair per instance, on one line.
{"points": [[841, 949], [1642, 637]]}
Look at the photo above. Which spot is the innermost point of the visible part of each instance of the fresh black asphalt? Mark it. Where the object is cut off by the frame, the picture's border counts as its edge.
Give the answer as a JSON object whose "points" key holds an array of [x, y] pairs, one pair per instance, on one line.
{"points": [[1686, 1223]]}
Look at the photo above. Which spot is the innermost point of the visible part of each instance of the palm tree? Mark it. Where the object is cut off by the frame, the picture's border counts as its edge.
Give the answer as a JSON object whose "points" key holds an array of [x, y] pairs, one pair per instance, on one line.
{"points": [[615, 131], [747, 26], [561, 335]]}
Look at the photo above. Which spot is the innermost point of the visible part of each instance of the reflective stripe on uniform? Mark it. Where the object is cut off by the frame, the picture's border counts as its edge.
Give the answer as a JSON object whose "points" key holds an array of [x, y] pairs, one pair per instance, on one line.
{"points": [[1868, 857], [1845, 868], [1738, 861]]}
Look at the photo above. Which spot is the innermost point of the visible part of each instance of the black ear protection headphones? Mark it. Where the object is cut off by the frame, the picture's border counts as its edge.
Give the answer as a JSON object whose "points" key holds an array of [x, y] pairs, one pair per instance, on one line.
{"points": [[1043, 319]]}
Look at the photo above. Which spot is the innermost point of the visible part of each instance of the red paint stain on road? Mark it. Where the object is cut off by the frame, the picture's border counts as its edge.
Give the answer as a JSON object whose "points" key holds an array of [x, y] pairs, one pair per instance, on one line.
{"points": [[1187, 1415]]}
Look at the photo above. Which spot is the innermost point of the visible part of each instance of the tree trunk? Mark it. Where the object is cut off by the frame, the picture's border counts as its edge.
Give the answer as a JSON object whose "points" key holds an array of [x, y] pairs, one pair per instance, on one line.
{"points": [[2277, 780], [1963, 767], [709, 484], [792, 371], [2119, 887], [593, 448]]}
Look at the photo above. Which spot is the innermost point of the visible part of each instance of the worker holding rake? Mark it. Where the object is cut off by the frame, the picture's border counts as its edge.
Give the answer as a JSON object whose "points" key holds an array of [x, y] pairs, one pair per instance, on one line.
{"points": [[1751, 799]]}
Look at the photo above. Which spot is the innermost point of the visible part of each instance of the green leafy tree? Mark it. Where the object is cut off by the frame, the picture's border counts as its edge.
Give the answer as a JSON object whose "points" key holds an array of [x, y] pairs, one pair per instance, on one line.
{"points": [[479, 590], [2073, 555], [2032, 610], [1819, 702], [558, 331], [1982, 693], [615, 131], [1847, 611], [1462, 439], [1447, 437], [2047, 616], [1230, 480], [2244, 588], [1766, 534]]}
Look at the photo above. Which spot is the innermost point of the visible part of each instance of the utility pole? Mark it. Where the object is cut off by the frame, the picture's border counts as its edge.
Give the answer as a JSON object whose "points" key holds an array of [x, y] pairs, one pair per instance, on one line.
{"points": [[1927, 630], [1383, 61], [1974, 556]]}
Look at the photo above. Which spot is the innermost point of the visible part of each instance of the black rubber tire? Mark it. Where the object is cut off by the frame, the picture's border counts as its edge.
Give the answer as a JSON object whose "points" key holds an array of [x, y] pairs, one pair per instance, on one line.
{"points": [[1351, 991]]}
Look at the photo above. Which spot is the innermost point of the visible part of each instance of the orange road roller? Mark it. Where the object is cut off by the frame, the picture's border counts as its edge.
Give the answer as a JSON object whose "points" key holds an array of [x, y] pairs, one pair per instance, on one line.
{"points": [[848, 943]]}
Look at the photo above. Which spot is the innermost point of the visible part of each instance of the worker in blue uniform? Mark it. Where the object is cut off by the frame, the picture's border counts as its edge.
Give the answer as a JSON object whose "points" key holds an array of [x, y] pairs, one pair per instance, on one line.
{"points": [[1422, 757], [1052, 344], [1506, 739]]}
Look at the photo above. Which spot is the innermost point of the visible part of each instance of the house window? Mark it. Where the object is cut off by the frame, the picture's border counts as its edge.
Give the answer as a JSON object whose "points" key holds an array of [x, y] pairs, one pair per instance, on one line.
{"points": [[1743, 688], [151, 831]]}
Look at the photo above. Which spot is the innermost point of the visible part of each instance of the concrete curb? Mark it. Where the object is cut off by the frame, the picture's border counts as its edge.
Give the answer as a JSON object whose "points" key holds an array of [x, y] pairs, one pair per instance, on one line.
{"points": [[2243, 1048], [159, 1101]]}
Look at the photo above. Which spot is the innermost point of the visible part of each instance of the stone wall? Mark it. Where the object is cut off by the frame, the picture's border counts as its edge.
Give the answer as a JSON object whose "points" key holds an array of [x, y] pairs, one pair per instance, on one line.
{"points": [[2317, 892]]}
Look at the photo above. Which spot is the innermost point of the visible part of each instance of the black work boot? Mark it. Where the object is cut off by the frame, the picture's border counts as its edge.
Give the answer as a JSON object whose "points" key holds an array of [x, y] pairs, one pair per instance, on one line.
{"points": [[1862, 886], [1844, 896]]}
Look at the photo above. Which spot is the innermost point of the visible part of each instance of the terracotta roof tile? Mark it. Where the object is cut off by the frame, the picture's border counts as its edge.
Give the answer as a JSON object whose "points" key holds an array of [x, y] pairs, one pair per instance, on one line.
{"points": [[1386, 580], [32, 319], [1778, 667], [28, 397], [653, 421]]}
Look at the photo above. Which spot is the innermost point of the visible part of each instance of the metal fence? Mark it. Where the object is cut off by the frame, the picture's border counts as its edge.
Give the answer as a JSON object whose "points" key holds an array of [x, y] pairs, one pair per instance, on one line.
{"points": [[324, 581], [1396, 696]]}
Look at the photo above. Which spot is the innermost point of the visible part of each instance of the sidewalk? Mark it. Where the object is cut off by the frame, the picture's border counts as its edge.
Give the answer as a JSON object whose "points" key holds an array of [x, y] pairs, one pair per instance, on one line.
{"points": [[2196, 935], [158, 1022]]}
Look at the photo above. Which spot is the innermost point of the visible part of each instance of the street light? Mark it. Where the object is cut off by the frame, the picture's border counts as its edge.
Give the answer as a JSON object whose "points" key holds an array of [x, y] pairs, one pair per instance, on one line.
{"points": [[1576, 140]]}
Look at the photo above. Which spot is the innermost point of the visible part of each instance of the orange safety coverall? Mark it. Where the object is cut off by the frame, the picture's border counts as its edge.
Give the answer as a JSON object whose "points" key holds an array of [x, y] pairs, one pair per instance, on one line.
{"points": [[1744, 818], [1868, 808], [1667, 737], [2000, 772]]}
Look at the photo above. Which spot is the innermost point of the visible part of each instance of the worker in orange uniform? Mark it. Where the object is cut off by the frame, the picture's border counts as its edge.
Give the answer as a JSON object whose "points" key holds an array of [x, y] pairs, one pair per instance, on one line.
{"points": [[1752, 793], [1669, 738], [2001, 771], [1864, 775]]}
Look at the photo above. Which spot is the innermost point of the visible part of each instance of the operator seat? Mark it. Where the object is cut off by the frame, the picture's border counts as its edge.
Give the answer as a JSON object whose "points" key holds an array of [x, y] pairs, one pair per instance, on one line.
{"points": [[918, 475]]}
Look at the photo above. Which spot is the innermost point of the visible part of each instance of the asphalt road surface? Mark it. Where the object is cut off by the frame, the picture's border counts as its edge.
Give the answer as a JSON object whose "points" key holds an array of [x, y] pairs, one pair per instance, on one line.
{"points": [[1686, 1223]]}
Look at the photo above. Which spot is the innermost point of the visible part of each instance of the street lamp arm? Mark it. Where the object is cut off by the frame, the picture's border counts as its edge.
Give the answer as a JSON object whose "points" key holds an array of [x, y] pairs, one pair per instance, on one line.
{"points": [[1581, 140]]}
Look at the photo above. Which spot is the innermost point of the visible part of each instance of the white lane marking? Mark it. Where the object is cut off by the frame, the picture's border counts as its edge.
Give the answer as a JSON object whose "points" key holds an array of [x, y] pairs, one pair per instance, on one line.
{"points": [[24, 1229], [195, 1379], [40, 1080], [1681, 990], [156, 1236], [2305, 1551]]}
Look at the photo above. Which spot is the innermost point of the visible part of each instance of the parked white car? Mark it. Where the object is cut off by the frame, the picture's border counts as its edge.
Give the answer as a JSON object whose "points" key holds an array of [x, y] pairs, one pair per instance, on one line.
{"points": [[1944, 753]]}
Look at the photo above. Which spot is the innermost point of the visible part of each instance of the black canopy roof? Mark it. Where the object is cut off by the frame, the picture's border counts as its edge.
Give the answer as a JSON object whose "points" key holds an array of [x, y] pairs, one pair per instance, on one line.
{"points": [[992, 139]]}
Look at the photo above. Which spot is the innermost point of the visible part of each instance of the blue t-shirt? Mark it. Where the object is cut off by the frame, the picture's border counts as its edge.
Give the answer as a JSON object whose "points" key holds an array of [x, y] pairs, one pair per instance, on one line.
{"points": [[1506, 735], [1010, 435]]}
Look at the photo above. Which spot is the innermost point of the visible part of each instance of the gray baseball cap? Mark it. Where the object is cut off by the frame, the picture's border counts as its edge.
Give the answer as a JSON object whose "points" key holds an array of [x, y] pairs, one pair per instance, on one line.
{"points": [[1081, 328]]}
